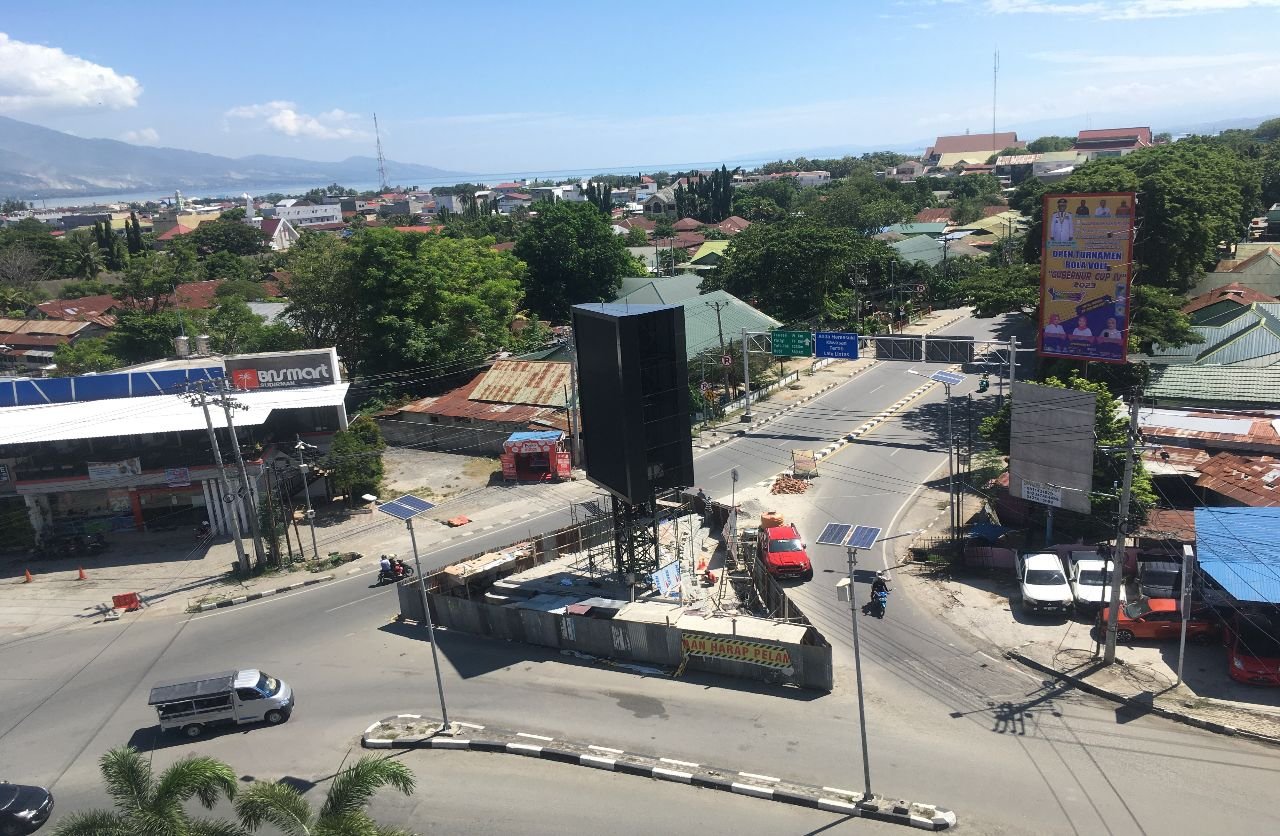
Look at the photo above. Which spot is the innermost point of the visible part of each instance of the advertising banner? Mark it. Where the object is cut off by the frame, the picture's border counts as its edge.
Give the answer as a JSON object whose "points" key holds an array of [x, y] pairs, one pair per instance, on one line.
{"points": [[1085, 269], [177, 477], [102, 471], [282, 370], [736, 650]]}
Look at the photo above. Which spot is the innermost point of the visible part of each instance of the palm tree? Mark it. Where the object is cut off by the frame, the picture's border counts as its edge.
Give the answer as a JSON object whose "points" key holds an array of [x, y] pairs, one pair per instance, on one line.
{"points": [[147, 806], [343, 812], [87, 257]]}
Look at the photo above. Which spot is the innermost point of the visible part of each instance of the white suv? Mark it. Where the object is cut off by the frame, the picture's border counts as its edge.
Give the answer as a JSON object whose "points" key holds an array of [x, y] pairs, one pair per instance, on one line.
{"points": [[1043, 586], [1091, 583]]}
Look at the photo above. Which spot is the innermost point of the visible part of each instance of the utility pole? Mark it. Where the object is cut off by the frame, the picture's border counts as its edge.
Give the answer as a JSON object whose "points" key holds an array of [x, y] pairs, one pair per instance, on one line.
{"points": [[246, 499], [720, 330], [746, 378], [1122, 525], [200, 398], [575, 419], [301, 447]]}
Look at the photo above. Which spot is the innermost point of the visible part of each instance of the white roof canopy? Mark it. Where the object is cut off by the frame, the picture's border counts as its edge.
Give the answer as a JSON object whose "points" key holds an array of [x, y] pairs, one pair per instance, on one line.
{"points": [[153, 414]]}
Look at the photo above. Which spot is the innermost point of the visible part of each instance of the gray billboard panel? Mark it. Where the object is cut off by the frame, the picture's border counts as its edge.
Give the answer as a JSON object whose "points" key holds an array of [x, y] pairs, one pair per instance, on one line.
{"points": [[1051, 446], [283, 369]]}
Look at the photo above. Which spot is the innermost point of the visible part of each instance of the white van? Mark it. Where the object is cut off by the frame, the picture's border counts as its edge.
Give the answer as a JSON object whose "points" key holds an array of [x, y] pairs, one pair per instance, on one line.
{"points": [[228, 698]]}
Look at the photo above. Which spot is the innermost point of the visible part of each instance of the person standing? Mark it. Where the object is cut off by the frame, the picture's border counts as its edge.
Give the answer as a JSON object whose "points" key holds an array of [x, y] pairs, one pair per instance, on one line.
{"points": [[1061, 225]]}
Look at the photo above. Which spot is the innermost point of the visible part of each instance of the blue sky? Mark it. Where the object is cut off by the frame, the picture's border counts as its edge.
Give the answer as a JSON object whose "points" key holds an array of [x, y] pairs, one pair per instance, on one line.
{"points": [[504, 86]]}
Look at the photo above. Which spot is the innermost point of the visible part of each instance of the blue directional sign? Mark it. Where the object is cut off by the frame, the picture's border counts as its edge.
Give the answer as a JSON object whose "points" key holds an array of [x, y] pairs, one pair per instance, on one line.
{"points": [[406, 507], [836, 344]]}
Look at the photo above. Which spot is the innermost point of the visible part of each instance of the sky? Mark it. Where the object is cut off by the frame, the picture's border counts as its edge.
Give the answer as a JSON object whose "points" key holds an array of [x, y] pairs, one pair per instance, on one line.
{"points": [[489, 86]]}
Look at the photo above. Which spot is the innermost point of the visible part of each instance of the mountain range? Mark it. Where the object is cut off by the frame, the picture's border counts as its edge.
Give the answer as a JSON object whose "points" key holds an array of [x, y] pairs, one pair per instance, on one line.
{"points": [[36, 161]]}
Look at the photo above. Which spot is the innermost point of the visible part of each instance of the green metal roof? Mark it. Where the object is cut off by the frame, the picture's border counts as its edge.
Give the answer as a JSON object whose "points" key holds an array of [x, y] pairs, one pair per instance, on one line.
{"points": [[701, 329], [1235, 385], [918, 228], [921, 249]]}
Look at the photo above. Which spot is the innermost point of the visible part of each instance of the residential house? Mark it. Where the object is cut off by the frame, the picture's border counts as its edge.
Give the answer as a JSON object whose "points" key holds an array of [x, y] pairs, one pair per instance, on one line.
{"points": [[703, 329], [930, 251], [1215, 387], [688, 225], [948, 151], [476, 418], [204, 295], [28, 345], [171, 233], [647, 255], [408, 206], [732, 225], [904, 172], [662, 204], [1255, 266], [508, 202], [646, 189], [624, 225], [509, 188], [1112, 142], [709, 255], [280, 233], [304, 214], [1233, 332], [1229, 479], [97, 309]]}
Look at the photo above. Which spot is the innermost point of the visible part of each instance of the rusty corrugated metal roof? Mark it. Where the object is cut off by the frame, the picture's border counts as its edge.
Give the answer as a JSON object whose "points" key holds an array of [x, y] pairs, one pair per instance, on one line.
{"points": [[524, 382], [58, 327], [458, 404]]}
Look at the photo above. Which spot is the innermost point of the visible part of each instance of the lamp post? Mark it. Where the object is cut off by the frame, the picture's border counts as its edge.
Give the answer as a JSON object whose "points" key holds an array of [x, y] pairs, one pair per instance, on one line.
{"points": [[947, 379], [302, 447]]}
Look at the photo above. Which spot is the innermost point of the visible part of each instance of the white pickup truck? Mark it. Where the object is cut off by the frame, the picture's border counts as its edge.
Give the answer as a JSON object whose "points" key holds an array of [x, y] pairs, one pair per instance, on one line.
{"points": [[1091, 583], [1043, 586]]}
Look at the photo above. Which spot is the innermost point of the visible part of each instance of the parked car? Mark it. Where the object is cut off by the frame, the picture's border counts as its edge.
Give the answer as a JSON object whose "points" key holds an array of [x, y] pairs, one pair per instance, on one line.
{"points": [[1043, 586], [23, 809], [1253, 649], [1158, 618], [1091, 583], [783, 552], [1159, 579]]}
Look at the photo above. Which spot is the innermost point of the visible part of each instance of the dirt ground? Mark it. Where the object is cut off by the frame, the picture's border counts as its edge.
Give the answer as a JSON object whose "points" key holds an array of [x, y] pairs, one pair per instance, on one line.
{"points": [[436, 476]]}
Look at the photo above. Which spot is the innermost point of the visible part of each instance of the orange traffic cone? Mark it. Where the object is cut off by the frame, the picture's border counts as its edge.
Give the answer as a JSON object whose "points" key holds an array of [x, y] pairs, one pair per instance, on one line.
{"points": [[83, 576], [26, 573]]}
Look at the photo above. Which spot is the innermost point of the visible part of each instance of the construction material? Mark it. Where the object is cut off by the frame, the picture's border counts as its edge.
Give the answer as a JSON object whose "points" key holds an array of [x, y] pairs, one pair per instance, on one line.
{"points": [[788, 485], [770, 519]]}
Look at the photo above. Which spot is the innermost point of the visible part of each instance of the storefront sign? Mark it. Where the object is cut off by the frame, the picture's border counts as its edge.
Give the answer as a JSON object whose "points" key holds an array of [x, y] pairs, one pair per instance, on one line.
{"points": [[177, 477], [736, 650], [118, 500], [283, 371], [667, 580], [4, 473], [104, 471], [1084, 276]]}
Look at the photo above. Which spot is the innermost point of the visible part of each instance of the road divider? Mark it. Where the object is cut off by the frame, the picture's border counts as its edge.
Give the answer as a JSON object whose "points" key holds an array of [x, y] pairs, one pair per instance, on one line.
{"points": [[205, 606]]}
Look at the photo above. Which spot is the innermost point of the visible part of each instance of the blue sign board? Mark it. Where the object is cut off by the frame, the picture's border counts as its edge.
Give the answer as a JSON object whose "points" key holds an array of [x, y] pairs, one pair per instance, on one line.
{"points": [[836, 344]]}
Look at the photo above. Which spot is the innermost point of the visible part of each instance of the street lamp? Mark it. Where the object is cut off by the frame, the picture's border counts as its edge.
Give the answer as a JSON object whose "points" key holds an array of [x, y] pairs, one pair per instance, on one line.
{"points": [[947, 379], [302, 447], [854, 537]]}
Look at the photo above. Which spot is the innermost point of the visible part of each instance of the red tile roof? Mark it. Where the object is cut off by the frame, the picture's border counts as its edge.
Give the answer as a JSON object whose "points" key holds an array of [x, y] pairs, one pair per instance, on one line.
{"points": [[637, 223], [170, 234], [1234, 292], [733, 224], [86, 309], [1137, 135], [203, 295], [424, 228], [1253, 481], [975, 142], [687, 225], [515, 196]]}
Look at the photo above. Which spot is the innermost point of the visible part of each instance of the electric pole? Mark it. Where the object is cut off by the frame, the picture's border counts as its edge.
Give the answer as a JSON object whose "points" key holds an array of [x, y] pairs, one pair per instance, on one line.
{"points": [[1122, 526], [200, 398], [247, 499], [717, 306]]}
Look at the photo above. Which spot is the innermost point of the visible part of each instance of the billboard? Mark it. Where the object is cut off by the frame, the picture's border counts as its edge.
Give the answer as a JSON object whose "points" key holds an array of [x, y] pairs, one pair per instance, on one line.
{"points": [[283, 369], [1051, 446], [1085, 267]]}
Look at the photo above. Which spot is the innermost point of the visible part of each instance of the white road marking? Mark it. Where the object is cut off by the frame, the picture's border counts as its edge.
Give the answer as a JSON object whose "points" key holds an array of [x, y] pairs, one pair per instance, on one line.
{"points": [[534, 736], [877, 389], [358, 600]]}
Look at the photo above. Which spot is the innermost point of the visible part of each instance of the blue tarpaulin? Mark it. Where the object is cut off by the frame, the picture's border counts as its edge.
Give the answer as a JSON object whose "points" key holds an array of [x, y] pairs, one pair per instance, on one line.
{"points": [[540, 435], [1239, 549]]}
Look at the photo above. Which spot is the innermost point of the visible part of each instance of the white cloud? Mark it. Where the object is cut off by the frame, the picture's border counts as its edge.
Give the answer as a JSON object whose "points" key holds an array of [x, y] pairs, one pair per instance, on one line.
{"points": [[142, 136], [284, 117], [34, 76], [1127, 9]]}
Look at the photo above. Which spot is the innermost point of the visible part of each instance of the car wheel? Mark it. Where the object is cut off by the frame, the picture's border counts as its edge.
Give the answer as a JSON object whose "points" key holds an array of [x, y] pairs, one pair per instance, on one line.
{"points": [[10, 829], [193, 730], [275, 717], [1125, 636]]}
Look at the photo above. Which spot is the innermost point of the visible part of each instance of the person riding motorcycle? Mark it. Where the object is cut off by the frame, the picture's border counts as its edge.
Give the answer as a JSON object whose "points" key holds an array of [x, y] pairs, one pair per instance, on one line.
{"points": [[384, 568], [878, 587], [400, 568]]}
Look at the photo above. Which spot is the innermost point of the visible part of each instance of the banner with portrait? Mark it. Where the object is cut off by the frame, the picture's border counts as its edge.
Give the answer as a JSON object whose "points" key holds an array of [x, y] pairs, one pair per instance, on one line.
{"points": [[1085, 268]]}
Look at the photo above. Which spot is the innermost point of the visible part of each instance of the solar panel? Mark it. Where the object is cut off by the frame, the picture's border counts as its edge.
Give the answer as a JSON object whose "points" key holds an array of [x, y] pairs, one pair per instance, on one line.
{"points": [[949, 378], [863, 537], [406, 507], [834, 534]]}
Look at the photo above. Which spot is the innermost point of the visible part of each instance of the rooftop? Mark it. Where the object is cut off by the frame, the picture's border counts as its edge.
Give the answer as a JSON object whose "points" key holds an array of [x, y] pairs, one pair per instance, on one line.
{"points": [[975, 142], [1239, 548], [1248, 480], [524, 382], [1238, 386]]}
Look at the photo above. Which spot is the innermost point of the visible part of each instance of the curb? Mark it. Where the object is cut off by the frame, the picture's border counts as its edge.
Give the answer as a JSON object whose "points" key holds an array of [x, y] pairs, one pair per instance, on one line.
{"points": [[1176, 716], [847, 802], [254, 596]]}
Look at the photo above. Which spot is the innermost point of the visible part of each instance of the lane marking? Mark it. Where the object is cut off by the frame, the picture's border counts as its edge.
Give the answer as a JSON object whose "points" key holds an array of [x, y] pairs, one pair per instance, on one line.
{"points": [[535, 736], [680, 763], [358, 600], [606, 749], [760, 777]]}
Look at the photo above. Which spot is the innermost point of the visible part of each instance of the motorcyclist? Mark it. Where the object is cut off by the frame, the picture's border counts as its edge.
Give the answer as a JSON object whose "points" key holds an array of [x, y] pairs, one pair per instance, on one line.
{"points": [[401, 570], [880, 584], [384, 567]]}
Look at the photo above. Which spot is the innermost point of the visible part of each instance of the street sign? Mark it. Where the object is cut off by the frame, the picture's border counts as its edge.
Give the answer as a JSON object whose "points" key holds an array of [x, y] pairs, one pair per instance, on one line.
{"points": [[1043, 493], [726, 360], [836, 344], [792, 343], [919, 288]]}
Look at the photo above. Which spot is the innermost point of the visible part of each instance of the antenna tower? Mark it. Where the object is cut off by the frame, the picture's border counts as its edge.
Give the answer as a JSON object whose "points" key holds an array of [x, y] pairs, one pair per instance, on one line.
{"points": [[382, 161], [995, 82]]}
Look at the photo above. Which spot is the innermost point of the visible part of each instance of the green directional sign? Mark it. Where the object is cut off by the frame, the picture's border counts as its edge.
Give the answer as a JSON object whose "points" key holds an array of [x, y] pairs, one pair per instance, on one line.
{"points": [[792, 343]]}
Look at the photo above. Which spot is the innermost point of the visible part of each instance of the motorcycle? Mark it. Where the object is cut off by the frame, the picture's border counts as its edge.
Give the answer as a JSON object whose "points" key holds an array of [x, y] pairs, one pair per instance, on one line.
{"points": [[202, 530], [397, 572], [879, 602], [984, 383]]}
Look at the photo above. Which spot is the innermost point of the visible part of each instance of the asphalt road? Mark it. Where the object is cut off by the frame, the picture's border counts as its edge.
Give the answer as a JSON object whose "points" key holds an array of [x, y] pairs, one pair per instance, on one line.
{"points": [[947, 724]]}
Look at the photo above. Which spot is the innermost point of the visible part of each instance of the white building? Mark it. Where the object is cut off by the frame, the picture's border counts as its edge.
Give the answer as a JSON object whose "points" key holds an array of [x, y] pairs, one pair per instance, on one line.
{"points": [[306, 215]]}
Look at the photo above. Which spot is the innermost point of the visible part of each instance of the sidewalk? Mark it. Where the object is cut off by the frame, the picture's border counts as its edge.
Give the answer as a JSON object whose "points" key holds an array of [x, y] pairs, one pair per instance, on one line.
{"points": [[808, 384], [984, 606]]}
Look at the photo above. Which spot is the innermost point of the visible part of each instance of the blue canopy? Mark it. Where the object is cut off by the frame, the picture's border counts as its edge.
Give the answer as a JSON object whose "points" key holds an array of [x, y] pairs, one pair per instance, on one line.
{"points": [[1239, 548], [539, 435]]}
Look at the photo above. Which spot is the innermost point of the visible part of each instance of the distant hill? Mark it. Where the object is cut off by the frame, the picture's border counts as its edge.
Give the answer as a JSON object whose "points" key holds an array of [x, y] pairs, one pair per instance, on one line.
{"points": [[36, 160]]}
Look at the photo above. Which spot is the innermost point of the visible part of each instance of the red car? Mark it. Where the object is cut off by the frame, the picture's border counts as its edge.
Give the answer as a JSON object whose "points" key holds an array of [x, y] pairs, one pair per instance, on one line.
{"points": [[1253, 650], [783, 553], [1157, 618]]}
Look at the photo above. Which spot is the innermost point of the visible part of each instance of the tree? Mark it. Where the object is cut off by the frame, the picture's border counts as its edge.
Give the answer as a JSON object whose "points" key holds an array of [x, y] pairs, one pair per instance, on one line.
{"points": [[141, 335], [1048, 144], [87, 257], [20, 269], [637, 237], [246, 289], [323, 301], [230, 236], [235, 213], [600, 195], [133, 234], [967, 210], [664, 228], [89, 355], [572, 257], [994, 291], [781, 190], [147, 805], [1027, 198], [54, 257], [355, 458], [12, 205], [1268, 131], [233, 326], [148, 282], [225, 265], [78, 290], [862, 204], [1158, 320], [343, 812]]}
